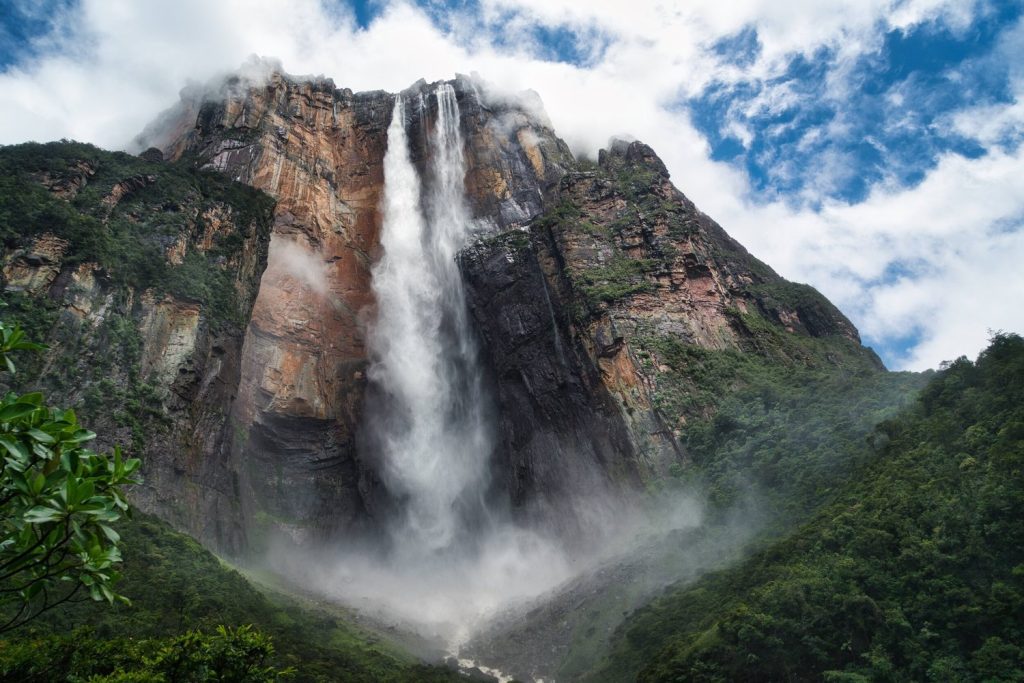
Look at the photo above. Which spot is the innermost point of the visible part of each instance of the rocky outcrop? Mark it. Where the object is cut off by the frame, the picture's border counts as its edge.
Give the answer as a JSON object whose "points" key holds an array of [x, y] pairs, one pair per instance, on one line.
{"points": [[68, 182], [125, 187], [32, 269]]}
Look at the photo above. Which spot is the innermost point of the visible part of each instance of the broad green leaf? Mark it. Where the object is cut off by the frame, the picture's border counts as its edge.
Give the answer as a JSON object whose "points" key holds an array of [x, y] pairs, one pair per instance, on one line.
{"points": [[33, 590], [69, 460], [80, 436], [28, 346], [41, 436], [104, 515], [35, 398], [20, 482], [16, 411], [14, 447], [42, 514], [86, 490]]}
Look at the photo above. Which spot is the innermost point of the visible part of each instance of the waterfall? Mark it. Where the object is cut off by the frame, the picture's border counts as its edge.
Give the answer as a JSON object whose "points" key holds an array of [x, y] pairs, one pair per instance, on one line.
{"points": [[429, 419], [449, 560]]}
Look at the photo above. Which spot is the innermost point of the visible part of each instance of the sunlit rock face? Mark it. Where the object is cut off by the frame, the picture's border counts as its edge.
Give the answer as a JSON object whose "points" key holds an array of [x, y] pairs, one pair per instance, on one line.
{"points": [[319, 151]]}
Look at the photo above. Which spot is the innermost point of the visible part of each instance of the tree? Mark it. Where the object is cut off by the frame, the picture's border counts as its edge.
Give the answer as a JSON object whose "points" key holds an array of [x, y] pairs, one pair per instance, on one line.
{"points": [[226, 655], [58, 500]]}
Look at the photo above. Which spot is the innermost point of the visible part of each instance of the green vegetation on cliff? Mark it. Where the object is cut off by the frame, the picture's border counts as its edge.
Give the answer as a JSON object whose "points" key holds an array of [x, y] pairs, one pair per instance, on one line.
{"points": [[124, 213], [619, 278], [786, 430], [914, 570], [763, 381]]}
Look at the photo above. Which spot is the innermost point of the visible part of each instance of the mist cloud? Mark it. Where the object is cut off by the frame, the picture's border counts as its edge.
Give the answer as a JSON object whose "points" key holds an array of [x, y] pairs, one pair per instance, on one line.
{"points": [[298, 262]]}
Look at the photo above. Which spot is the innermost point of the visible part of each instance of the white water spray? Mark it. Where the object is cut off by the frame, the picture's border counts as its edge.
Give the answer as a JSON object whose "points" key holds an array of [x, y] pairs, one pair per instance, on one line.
{"points": [[431, 429]]}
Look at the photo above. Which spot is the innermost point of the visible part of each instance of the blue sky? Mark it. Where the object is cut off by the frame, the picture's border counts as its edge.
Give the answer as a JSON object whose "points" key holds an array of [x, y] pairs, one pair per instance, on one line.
{"points": [[19, 26], [892, 114], [869, 147]]}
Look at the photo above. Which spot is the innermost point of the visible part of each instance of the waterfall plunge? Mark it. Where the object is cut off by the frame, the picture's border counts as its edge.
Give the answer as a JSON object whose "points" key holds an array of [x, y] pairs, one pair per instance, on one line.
{"points": [[430, 424]]}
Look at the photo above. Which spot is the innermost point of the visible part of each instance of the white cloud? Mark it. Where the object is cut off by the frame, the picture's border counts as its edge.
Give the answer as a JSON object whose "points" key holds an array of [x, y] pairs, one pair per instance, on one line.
{"points": [[119, 62], [991, 124], [963, 222]]}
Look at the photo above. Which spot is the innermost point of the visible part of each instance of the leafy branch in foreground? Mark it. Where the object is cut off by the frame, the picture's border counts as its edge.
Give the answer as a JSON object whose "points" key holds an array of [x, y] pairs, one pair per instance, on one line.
{"points": [[57, 502]]}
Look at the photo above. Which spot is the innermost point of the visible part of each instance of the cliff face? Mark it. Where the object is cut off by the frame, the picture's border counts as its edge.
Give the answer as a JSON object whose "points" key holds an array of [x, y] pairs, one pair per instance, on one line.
{"points": [[580, 310], [563, 439], [592, 289], [140, 276], [572, 312], [318, 151]]}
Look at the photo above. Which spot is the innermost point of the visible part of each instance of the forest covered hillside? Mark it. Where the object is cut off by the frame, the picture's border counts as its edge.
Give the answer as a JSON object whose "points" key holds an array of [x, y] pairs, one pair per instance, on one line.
{"points": [[182, 596], [914, 571]]}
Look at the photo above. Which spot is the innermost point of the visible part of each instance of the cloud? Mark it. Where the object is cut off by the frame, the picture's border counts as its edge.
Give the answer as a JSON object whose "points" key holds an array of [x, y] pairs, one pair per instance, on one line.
{"points": [[608, 68], [300, 262], [937, 262]]}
